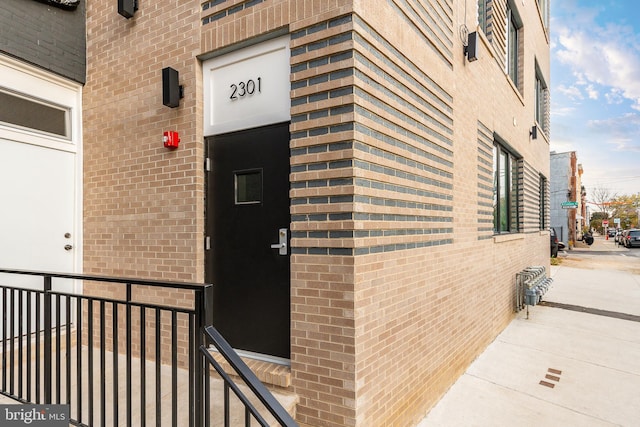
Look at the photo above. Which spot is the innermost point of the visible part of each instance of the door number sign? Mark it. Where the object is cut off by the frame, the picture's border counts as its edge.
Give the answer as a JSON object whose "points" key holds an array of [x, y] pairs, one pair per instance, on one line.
{"points": [[242, 89], [247, 88]]}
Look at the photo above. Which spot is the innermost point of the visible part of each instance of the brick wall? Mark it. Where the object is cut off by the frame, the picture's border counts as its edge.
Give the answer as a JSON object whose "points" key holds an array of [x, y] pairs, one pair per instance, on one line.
{"points": [[144, 204], [397, 280]]}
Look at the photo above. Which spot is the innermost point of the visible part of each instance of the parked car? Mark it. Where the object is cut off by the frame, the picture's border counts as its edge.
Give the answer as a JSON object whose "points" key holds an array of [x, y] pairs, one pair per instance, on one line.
{"points": [[612, 232], [618, 235], [554, 242], [632, 238], [621, 238]]}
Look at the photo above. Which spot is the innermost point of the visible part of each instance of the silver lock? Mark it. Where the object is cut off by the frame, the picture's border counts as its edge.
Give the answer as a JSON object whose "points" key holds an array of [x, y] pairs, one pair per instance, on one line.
{"points": [[282, 242]]}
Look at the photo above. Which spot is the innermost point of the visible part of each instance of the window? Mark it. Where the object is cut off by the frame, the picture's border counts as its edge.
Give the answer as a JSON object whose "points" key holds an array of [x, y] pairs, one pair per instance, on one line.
{"points": [[33, 114], [505, 190], [248, 187], [543, 5], [542, 96], [483, 11], [514, 25], [542, 200]]}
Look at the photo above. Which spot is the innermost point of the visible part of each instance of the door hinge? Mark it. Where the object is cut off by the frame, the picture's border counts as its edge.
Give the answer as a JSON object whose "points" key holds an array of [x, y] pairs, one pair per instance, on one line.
{"points": [[207, 243], [207, 164]]}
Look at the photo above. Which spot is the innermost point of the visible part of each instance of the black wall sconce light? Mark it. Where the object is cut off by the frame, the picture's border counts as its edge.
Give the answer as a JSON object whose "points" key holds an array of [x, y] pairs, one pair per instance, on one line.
{"points": [[127, 8], [533, 133], [472, 46], [171, 88]]}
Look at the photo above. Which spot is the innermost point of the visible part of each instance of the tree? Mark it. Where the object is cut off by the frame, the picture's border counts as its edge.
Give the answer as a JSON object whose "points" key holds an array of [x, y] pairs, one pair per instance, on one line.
{"points": [[596, 220], [602, 198], [626, 209]]}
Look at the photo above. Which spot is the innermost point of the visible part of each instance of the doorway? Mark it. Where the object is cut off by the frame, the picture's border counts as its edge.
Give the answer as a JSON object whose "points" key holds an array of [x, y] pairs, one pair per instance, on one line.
{"points": [[248, 256]]}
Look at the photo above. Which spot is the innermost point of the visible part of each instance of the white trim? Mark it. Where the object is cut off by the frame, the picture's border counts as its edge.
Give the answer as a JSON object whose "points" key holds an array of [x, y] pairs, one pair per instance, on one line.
{"points": [[265, 69], [32, 82]]}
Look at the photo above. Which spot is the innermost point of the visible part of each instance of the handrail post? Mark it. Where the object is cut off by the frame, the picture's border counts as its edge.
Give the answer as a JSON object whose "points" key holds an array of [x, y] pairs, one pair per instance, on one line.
{"points": [[200, 312], [47, 339], [207, 307], [129, 354]]}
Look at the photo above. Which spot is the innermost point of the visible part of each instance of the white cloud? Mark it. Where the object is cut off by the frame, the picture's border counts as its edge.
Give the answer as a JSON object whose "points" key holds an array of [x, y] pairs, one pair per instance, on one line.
{"points": [[602, 56], [592, 92], [614, 96], [591, 60], [562, 111], [562, 146], [571, 92], [580, 78], [622, 133]]}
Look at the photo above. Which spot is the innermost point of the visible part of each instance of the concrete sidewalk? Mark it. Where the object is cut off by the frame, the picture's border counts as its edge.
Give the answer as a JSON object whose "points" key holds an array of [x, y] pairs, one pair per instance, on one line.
{"points": [[560, 367]]}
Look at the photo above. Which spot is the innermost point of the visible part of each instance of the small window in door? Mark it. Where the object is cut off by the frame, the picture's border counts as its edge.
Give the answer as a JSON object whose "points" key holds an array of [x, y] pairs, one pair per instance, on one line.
{"points": [[248, 187], [33, 114]]}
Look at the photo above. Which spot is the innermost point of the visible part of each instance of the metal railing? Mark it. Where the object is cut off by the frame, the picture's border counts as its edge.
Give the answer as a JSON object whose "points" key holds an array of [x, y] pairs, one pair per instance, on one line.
{"points": [[61, 347], [256, 388]]}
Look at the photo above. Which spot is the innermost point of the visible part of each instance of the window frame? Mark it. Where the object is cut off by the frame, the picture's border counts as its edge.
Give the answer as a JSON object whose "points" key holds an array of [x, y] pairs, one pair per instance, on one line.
{"points": [[543, 6], [542, 200], [242, 188], [506, 190], [513, 30], [483, 17], [541, 95], [34, 115]]}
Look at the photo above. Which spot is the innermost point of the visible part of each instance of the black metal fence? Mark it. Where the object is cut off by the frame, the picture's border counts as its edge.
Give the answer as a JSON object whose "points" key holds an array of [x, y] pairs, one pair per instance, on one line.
{"points": [[254, 388], [113, 361]]}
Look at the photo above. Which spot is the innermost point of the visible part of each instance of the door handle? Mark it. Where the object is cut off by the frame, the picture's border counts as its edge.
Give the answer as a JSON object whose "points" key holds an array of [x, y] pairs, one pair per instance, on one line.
{"points": [[68, 247], [282, 242]]}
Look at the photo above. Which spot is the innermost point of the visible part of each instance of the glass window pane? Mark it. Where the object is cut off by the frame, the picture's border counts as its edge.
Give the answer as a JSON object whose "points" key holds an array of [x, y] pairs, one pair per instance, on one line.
{"points": [[496, 212], [502, 184], [542, 203], [513, 52], [513, 195], [30, 114], [248, 187], [482, 14], [506, 191]]}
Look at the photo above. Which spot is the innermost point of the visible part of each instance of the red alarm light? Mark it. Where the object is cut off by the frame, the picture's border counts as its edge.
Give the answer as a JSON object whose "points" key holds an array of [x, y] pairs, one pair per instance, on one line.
{"points": [[171, 139]]}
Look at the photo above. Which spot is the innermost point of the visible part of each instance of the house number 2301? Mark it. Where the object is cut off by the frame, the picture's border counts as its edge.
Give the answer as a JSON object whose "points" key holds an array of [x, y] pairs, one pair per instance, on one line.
{"points": [[242, 89]]}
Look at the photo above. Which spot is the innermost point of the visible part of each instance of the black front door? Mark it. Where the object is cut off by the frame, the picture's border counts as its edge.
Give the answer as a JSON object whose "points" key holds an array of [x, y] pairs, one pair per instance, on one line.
{"points": [[247, 220]]}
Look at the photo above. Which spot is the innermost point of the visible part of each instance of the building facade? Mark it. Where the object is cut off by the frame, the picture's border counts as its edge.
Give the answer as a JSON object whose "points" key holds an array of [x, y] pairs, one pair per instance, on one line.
{"points": [[568, 197], [360, 188]]}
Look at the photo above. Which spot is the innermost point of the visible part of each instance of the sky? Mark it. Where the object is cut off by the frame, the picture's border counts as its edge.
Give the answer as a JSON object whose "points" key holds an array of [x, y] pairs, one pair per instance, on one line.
{"points": [[595, 90]]}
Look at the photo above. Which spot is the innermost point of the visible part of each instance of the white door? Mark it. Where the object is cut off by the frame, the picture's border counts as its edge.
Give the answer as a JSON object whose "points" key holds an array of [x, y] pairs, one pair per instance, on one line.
{"points": [[37, 210], [40, 178], [37, 216]]}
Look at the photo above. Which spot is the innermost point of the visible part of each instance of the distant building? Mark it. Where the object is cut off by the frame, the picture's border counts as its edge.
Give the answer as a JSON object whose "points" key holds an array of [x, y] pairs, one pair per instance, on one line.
{"points": [[568, 197]]}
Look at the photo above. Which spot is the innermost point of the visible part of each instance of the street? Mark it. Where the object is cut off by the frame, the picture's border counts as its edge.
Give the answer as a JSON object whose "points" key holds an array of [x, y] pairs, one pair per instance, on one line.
{"points": [[573, 362], [603, 254]]}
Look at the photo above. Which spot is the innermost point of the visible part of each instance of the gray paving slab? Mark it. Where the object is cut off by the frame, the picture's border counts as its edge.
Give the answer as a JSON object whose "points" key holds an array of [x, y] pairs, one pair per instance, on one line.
{"points": [[558, 367], [605, 289]]}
